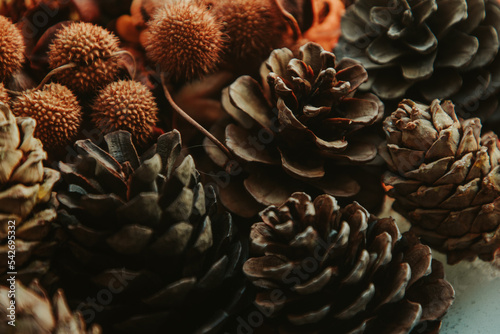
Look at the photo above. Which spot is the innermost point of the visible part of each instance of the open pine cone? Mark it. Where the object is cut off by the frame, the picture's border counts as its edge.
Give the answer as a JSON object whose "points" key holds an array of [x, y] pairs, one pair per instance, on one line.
{"points": [[321, 268], [27, 204], [427, 49], [37, 314], [445, 178], [293, 132], [147, 233]]}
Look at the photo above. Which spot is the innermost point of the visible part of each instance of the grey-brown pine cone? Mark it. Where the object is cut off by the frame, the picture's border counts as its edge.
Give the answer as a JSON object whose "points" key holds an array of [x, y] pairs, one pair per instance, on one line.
{"points": [[296, 129], [146, 236], [445, 178], [321, 268], [427, 49], [36, 313], [27, 203]]}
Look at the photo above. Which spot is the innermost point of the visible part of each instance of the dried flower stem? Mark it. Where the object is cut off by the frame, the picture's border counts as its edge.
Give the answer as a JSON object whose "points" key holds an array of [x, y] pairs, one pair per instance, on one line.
{"points": [[127, 53], [291, 20], [194, 123], [54, 72]]}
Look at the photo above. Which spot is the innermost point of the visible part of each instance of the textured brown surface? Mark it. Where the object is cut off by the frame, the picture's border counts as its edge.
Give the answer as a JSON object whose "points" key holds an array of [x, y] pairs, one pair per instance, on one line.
{"points": [[91, 48], [56, 111], [126, 105], [185, 39], [12, 46], [322, 268], [445, 178]]}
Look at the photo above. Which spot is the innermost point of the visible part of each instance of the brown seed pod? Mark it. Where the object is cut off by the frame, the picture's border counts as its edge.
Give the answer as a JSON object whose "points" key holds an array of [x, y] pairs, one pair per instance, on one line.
{"points": [[185, 39], [4, 96], [126, 105], [11, 48], [254, 27], [56, 111], [92, 49]]}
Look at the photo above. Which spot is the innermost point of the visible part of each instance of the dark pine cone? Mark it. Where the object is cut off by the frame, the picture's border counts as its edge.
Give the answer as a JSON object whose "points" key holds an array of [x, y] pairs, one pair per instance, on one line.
{"points": [[295, 130], [146, 241], [445, 178], [327, 269], [427, 49]]}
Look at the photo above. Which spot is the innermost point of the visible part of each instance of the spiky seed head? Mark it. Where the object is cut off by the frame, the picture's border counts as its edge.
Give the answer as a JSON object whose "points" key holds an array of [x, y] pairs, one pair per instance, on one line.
{"points": [[254, 27], [11, 48], [4, 96], [56, 111], [126, 105], [185, 39], [92, 49]]}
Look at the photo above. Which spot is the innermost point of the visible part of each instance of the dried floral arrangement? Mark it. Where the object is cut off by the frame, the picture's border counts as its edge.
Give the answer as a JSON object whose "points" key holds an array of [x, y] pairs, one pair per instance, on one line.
{"points": [[190, 166]]}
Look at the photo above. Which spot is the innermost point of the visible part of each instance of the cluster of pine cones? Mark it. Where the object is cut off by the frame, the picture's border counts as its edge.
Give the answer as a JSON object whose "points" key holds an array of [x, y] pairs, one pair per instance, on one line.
{"points": [[217, 166]]}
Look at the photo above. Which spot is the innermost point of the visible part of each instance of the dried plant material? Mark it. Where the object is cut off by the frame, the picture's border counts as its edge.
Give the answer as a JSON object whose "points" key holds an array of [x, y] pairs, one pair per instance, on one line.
{"points": [[93, 50], [185, 39], [126, 105], [57, 113], [12, 48], [320, 268], [445, 178]]}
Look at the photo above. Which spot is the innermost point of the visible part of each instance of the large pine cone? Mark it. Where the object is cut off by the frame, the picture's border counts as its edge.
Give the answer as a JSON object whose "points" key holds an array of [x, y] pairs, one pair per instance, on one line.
{"points": [[426, 50], [146, 240], [445, 178], [27, 204], [35, 313], [293, 132], [326, 269]]}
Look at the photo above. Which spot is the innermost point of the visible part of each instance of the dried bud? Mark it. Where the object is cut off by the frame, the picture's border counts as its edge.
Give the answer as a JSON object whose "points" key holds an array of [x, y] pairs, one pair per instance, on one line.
{"points": [[56, 111], [126, 105], [185, 39], [11, 48], [254, 27], [92, 49]]}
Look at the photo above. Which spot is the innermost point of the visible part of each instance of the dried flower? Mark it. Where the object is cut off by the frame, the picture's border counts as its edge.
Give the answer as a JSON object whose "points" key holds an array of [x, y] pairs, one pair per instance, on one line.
{"points": [[92, 49], [185, 39], [126, 105], [12, 48], [56, 111]]}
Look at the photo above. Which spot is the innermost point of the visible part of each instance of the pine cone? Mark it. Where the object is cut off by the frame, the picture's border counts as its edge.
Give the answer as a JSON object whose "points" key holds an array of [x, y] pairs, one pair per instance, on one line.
{"points": [[445, 178], [292, 132], [148, 234], [326, 269], [427, 50], [36, 314], [26, 202]]}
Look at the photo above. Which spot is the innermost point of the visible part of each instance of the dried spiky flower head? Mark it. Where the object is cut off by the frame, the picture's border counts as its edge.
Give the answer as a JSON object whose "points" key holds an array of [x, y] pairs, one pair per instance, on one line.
{"points": [[254, 27], [56, 111], [4, 96], [126, 105], [93, 50], [185, 39], [11, 48]]}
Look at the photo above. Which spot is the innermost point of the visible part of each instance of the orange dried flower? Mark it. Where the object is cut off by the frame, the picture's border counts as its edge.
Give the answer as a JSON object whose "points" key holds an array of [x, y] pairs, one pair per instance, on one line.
{"points": [[11, 48], [56, 111], [126, 105], [185, 39], [92, 49]]}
